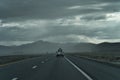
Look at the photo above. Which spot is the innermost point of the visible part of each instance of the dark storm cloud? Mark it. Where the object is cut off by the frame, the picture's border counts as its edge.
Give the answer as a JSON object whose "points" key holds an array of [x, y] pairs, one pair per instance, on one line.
{"points": [[48, 8], [57, 33], [34, 8], [14, 33], [25, 12], [93, 17], [11, 33], [18, 34]]}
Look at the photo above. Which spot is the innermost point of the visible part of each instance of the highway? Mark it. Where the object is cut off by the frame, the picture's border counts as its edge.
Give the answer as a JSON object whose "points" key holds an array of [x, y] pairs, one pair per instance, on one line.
{"points": [[61, 68]]}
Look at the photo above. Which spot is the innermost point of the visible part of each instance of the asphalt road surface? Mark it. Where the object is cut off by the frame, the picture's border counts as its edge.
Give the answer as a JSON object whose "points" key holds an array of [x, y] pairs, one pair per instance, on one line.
{"points": [[64, 68]]}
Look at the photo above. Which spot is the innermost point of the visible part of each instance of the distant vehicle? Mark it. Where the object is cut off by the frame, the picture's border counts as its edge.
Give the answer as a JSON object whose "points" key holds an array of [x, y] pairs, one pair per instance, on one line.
{"points": [[59, 53]]}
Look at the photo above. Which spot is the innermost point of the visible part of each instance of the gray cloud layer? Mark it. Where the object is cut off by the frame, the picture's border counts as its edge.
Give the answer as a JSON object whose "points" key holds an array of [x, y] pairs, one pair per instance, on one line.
{"points": [[60, 20], [52, 8]]}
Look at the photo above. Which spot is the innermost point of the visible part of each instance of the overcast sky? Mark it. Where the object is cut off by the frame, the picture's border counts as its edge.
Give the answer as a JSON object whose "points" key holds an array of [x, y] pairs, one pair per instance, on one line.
{"points": [[92, 21]]}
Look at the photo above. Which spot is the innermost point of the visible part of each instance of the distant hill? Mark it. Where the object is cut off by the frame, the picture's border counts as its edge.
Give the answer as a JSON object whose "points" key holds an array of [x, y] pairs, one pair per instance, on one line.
{"points": [[108, 47], [40, 47], [49, 47]]}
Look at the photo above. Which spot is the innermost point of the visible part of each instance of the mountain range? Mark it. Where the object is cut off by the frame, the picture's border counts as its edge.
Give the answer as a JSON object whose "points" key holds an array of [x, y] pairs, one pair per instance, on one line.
{"points": [[40, 47]]}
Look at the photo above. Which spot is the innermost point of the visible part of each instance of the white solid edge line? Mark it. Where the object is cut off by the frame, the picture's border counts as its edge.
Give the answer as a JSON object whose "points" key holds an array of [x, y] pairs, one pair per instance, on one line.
{"points": [[80, 70]]}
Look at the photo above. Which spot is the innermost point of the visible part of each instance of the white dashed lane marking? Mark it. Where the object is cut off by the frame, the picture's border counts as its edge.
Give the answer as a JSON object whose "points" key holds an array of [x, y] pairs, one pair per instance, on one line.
{"points": [[34, 67], [42, 62], [15, 78]]}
